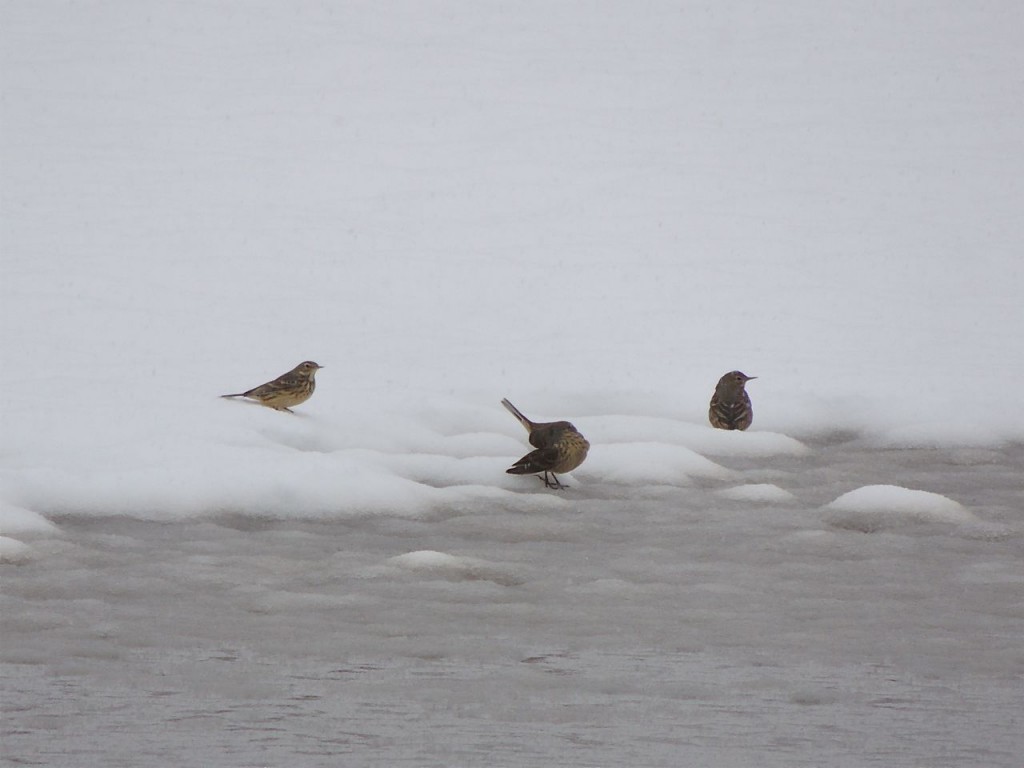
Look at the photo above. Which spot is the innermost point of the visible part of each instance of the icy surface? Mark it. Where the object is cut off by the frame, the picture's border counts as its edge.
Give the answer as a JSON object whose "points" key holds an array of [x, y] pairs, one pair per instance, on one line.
{"points": [[608, 624], [594, 212]]}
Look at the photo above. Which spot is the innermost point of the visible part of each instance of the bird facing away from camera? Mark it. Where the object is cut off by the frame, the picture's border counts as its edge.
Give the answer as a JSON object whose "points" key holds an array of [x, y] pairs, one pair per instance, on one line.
{"points": [[730, 405], [288, 389], [560, 448]]}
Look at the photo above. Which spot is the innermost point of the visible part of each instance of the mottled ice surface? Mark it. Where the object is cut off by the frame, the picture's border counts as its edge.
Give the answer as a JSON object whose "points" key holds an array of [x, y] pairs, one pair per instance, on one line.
{"points": [[594, 211], [616, 623]]}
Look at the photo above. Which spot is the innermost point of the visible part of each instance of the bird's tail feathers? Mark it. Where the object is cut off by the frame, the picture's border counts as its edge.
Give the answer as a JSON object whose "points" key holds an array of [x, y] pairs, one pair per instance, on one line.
{"points": [[524, 467], [527, 424]]}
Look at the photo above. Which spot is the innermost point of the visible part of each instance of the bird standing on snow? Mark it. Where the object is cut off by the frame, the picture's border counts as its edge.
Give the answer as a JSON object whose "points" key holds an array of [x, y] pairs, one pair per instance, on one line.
{"points": [[289, 389], [560, 448], [730, 405]]}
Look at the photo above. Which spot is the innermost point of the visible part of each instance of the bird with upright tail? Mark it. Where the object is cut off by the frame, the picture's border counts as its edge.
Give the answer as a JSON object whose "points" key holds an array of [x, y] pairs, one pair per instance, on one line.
{"points": [[287, 390], [730, 405], [559, 448]]}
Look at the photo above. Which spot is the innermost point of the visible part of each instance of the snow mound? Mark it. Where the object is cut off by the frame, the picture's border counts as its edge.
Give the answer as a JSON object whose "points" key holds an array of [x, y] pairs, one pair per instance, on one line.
{"points": [[647, 464], [440, 565], [445, 471], [14, 552], [764, 492], [19, 522], [722, 442], [875, 507]]}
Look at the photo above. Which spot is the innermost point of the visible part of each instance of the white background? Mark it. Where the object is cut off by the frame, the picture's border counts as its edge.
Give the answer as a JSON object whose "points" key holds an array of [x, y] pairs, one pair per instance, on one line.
{"points": [[594, 209]]}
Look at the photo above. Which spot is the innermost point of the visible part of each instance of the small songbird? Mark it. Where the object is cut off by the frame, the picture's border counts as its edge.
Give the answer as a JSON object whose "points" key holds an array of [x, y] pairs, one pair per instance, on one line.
{"points": [[286, 390], [560, 448], [730, 405]]}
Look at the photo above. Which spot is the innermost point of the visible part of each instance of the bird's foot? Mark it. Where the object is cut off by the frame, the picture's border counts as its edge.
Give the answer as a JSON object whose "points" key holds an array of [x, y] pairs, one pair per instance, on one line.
{"points": [[554, 482]]}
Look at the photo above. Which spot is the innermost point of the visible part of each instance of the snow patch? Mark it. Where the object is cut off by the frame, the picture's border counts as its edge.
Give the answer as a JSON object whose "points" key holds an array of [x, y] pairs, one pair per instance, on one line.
{"points": [[14, 552], [763, 492], [647, 464], [454, 568], [953, 430], [19, 521], [874, 507], [699, 437]]}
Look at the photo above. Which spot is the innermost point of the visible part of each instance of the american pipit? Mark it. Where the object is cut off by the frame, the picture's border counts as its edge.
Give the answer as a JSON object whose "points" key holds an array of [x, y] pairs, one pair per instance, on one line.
{"points": [[286, 390], [560, 448], [730, 405]]}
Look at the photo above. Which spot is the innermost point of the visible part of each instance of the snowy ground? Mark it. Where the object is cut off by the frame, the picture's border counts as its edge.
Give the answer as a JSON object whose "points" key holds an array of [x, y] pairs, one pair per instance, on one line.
{"points": [[594, 211]]}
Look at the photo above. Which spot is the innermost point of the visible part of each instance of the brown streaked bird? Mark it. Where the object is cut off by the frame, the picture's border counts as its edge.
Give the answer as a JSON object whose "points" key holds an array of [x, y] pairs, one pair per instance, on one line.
{"points": [[560, 448], [730, 405], [288, 389]]}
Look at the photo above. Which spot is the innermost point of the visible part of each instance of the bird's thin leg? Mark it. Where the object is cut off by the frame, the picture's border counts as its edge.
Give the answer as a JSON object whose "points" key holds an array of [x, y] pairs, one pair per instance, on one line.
{"points": [[554, 482]]}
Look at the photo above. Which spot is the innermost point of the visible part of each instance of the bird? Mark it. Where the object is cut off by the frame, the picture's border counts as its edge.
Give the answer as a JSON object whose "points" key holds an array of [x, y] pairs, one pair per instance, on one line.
{"points": [[286, 390], [730, 405], [560, 448]]}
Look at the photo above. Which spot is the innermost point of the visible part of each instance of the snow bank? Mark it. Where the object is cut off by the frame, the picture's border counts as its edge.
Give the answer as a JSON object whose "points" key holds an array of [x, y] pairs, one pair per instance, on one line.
{"points": [[448, 234], [698, 436], [647, 464]]}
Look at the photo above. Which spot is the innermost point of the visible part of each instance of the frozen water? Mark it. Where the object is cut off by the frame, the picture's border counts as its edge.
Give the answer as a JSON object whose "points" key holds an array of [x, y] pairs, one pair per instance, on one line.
{"points": [[612, 623], [594, 212]]}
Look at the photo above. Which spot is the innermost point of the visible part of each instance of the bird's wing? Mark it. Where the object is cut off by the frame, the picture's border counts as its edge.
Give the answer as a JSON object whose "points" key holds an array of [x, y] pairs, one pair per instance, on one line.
{"points": [[541, 460]]}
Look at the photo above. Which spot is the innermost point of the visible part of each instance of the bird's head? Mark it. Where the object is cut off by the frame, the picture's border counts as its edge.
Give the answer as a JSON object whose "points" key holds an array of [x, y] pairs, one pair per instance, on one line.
{"points": [[734, 381]]}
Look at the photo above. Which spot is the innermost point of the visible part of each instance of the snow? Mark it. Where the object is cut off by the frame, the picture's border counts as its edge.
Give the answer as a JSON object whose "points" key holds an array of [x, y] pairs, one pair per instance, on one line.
{"points": [[14, 551], [891, 499], [889, 507], [24, 522], [767, 493], [594, 212], [453, 568]]}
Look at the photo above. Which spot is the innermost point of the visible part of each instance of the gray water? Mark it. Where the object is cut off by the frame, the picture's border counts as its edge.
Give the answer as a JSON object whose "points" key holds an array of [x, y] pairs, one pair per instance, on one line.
{"points": [[642, 627]]}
